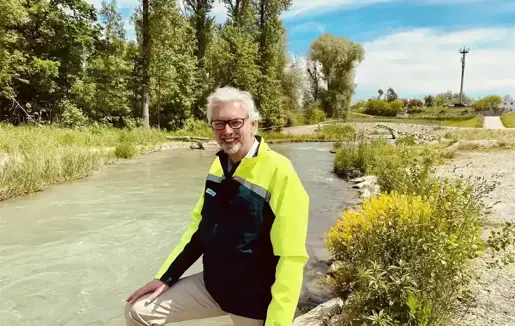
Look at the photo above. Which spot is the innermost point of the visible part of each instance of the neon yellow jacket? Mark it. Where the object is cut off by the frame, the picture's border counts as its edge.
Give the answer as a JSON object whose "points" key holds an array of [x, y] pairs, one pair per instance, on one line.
{"points": [[250, 227]]}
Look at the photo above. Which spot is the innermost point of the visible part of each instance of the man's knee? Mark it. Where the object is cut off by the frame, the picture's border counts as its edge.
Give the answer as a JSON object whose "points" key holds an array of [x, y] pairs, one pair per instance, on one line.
{"points": [[139, 313]]}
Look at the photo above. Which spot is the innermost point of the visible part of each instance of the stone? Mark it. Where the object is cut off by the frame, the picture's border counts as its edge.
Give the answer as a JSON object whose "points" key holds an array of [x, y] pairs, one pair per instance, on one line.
{"points": [[335, 266], [365, 193], [321, 315], [322, 255]]}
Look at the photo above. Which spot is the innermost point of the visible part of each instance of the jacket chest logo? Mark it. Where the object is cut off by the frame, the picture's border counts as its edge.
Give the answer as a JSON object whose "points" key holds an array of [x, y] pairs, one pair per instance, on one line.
{"points": [[211, 192]]}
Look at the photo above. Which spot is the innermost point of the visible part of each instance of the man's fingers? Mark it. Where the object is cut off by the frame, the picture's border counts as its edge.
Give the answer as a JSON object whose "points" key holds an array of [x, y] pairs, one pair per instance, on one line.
{"points": [[156, 293], [138, 294]]}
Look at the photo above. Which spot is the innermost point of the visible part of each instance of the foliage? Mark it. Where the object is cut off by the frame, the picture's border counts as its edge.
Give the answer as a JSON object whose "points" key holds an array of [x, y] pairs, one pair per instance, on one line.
{"points": [[488, 103], [406, 257], [474, 122], [337, 57], [391, 95], [383, 108], [415, 103], [313, 114], [55, 55], [508, 120], [33, 158], [429, 101]]}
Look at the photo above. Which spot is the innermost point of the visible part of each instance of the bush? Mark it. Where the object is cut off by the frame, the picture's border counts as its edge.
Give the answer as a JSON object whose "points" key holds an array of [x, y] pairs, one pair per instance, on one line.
{"points": [[357, 159], [314, 115], [383, 108], [125, 150], [337, 131], [404, 258]]}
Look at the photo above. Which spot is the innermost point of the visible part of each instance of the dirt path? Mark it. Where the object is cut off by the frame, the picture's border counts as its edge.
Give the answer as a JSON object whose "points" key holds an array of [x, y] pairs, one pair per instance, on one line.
{"points": [[494, 303], [493, 123]]}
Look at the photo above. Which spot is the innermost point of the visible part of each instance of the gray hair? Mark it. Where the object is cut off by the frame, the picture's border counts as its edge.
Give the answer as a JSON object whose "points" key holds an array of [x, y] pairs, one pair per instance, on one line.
{"points": [[231, 94]]}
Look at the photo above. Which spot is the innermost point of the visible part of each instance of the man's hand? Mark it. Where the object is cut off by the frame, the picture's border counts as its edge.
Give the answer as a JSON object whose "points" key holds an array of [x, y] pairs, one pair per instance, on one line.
{"points": [[155, 286]]}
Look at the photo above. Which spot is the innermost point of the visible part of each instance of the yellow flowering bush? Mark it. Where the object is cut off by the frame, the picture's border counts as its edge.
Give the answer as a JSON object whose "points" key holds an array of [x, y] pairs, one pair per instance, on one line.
{"points": [[403, 258]]}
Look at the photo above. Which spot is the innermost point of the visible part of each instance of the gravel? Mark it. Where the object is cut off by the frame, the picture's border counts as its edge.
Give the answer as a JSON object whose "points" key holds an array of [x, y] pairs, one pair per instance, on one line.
{"points": [[494, 302]]}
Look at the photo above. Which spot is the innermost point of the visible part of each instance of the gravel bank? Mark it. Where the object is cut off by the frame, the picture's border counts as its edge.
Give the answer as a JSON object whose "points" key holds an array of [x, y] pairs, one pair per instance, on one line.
{"points": [[494, 303]]}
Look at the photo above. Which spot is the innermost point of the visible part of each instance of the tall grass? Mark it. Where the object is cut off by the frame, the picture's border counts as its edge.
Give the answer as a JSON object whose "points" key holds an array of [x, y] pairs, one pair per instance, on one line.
{"points": [[33, 157], [473, 122]]}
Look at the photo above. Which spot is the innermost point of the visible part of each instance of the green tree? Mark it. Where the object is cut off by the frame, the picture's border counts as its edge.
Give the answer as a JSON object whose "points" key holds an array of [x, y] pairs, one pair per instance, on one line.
{"points": [[391, 95], [233, 58], [49, 45], [270, 53], [102, 92], [338, 57], [204, 27], [173, 67], [12, 60], [380, 92], [429, 101], [488, 103]]}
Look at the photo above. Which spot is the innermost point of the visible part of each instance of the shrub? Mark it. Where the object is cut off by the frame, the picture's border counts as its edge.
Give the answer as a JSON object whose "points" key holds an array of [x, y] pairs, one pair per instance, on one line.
{"points": [[355, 159], [405, 258], [314, 115], [383, 108], [125, 150], [337, 131]]}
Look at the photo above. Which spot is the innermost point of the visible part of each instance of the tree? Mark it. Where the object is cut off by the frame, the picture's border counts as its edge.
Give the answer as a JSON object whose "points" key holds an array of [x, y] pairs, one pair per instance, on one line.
{"points": [[203, 26], [146, 64], [337, 57], [391, 95], [46, 52], [488, 103], [507, 97], [269, 60], [233, 57], [380, 92], [173, 66], [429, 101]]}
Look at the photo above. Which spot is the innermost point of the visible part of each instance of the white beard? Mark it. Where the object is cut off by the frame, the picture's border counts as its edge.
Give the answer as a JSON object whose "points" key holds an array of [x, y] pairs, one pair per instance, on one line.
{"points": [[231, 149]]}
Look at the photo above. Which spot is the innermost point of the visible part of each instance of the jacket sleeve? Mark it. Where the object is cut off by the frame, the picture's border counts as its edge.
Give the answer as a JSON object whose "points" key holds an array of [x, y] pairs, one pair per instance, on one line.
{"points": [[290, 204], [186, 252]]}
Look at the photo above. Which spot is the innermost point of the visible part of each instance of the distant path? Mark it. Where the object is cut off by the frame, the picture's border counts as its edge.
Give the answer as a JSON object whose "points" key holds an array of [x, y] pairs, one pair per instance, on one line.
{"points": [[300, 130], [493, 123]]}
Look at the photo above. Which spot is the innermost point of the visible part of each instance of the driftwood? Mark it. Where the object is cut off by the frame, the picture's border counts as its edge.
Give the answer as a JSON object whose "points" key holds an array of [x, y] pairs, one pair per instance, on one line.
{"points": [[189, 138]]}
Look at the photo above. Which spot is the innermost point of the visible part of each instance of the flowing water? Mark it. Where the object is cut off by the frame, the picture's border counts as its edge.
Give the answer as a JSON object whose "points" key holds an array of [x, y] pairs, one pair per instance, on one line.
{"points": [[70, 255]]}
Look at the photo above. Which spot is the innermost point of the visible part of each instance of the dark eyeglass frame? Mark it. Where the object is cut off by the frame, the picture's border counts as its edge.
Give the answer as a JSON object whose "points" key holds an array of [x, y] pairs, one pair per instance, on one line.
{"points": [[233, 123]]}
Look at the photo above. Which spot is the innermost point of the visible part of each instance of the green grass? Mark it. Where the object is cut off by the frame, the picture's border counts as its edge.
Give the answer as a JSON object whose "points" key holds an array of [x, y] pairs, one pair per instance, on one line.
{"points": [[33, 158], [508, 120], [474, 122]]}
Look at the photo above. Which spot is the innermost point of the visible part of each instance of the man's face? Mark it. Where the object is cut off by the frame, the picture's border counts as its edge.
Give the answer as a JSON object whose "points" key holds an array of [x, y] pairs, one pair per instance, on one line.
{"points": [[240, 135]]}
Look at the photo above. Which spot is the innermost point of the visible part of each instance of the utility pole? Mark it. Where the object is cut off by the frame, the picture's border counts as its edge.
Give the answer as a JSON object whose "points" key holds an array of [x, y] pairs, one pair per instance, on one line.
{"points": [[464, 52]]}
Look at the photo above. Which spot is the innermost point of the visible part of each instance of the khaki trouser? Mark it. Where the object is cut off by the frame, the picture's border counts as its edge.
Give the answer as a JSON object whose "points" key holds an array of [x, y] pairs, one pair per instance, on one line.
{"points": [[187, 299]]}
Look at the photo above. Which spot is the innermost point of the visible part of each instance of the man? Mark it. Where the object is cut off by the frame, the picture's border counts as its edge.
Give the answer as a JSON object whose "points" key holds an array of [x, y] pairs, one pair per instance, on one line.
{"points": [[250, 225]]}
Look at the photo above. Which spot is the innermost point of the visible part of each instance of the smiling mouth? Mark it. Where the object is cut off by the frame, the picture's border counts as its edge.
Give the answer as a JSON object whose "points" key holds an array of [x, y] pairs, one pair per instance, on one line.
{"points": [[229, 140]]}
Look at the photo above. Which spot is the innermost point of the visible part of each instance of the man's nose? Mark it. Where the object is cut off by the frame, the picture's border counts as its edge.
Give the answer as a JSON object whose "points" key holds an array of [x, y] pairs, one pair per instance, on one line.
{"points": [[228, 129]]}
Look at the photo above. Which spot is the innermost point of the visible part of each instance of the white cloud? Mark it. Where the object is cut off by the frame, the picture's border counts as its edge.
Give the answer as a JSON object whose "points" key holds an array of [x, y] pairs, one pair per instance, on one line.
{"points": [[425, 61]]}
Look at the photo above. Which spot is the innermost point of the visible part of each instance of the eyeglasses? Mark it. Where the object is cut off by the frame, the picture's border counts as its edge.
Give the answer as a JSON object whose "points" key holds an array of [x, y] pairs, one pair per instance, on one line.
{"points": [[234, 124]]}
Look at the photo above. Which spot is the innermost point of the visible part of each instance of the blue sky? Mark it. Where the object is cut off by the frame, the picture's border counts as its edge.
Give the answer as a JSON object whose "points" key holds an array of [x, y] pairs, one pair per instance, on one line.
{"points": [[410, 45]]}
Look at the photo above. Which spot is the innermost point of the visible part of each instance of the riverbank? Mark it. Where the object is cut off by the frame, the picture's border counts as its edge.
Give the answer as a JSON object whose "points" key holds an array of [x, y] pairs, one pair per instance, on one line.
{"points": [[405, 173], [35, 157], [493, 300]]}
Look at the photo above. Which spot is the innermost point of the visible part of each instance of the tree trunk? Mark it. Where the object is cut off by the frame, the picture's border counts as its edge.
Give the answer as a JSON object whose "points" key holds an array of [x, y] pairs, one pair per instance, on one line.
{"points": [[146, 65]]}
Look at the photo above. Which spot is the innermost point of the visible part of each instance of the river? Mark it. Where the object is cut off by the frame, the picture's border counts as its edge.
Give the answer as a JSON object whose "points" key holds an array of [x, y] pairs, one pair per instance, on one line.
{"points": [[71, 254]]}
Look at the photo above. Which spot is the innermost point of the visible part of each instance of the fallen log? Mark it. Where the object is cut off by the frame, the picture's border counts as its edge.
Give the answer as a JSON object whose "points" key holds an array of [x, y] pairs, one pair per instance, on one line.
{"points": [[189, 138]]}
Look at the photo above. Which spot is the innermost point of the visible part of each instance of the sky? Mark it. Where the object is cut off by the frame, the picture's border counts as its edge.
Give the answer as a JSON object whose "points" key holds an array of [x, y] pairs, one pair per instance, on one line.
{"points": [[410, 45]]}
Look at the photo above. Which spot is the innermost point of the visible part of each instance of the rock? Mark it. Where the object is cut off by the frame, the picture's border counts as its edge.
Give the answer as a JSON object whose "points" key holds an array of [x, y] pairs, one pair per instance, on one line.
{"points": [[321, 315], [322, 255], [335, 266], [365, 193], [357, 180]]}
